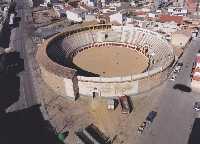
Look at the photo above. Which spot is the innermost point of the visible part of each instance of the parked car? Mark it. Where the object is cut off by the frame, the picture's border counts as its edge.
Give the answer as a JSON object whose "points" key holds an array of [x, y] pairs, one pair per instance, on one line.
{"points": [[142, 127], [180, 64], [173, 78], [151, 116], [177, 69], [197, 106], [111, 104], [125, 104]]}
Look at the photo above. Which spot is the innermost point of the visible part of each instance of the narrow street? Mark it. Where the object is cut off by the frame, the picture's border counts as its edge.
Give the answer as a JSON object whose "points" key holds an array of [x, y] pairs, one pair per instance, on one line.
{"points": [[19, 37], [175, 114]]}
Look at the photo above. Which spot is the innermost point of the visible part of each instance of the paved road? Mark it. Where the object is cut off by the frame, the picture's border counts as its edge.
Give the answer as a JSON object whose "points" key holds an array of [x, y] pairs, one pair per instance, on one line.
{"points": [[175, 114], [18, 40]]}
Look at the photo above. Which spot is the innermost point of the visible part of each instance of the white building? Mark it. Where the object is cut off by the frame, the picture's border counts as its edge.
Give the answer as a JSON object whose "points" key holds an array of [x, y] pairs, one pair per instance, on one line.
{"points": [[117, 17], [11, 21], [76, 14], [152, 15], [177, 11], [59, 9], [89, 2], [90, 17], [47, 1]]}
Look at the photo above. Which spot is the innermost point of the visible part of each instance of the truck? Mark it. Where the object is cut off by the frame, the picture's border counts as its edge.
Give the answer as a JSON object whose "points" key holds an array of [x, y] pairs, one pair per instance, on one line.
{"points": [[111, 104], [125, 104]]}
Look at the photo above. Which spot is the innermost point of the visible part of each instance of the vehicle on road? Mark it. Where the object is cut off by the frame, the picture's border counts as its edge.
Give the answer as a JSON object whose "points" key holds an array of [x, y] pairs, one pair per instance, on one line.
{"points": [[111, 104], [197, 106], [180, 64], [142, 127], [125, 104], [173, 78], [151, 116], [149, 119], [178, 67]]}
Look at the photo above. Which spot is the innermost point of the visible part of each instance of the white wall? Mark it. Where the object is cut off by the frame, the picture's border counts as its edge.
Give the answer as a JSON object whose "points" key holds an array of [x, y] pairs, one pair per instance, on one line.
{"points": [[195, 86], [73, 16], [108, 89], [90, 18], [69, 90], [116, 17], [47, 1], [12, 16], [87, 2]]}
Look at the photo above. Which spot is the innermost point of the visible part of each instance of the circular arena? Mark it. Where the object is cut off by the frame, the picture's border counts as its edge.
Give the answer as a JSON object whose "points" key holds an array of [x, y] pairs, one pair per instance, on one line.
{"points": [[104, 60]]}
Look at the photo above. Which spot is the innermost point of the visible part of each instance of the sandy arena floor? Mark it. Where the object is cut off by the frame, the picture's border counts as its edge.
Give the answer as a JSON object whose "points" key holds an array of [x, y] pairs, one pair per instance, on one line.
{"points": [[111, 61]]}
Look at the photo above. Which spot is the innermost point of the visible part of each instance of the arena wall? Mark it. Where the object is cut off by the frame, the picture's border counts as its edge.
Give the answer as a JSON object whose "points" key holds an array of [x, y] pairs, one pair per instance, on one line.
{"points": [[69, 88], [130, 85], [60, 85], [108, 89]]}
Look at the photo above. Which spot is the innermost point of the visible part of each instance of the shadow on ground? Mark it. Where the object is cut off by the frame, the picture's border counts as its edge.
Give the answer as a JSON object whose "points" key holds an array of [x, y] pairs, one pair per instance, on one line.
{"points": [[182, 87], [26, 127], [9, 90], [5, 36], [195, 133], [11, 64]]}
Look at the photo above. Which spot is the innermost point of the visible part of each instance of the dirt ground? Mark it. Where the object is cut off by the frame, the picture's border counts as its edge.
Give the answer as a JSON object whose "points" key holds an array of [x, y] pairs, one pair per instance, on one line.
{"points": [[67, 115], [111, 61]]}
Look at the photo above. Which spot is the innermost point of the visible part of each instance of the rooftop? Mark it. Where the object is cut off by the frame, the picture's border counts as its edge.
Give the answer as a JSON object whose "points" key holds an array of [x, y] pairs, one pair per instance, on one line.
{"points": [[168, 18], [78, 10]]}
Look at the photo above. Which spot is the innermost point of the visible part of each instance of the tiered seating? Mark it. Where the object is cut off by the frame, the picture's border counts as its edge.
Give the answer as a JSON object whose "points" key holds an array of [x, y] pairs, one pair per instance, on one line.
{"points": [[100, 36], [113, 36], [71, 41], [94, 36], [67, 47], [133, 36], [84, 38], [125, 36], [143, 40], [137, 33]]}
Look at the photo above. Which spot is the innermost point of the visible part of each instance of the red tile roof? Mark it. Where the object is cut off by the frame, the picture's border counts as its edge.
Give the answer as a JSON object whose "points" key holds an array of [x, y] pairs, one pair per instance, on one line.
{"points": [[168, 18]]}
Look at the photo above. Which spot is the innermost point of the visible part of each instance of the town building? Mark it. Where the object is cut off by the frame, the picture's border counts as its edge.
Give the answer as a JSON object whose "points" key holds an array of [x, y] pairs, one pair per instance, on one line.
{"points": [[177, 11], [191, 5], [76, 14], [168, 18]]}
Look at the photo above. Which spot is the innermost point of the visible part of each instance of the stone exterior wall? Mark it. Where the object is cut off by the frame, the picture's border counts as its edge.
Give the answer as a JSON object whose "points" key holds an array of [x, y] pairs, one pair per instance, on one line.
{"points": [[112, 87], [108, 89], [62, 86]]}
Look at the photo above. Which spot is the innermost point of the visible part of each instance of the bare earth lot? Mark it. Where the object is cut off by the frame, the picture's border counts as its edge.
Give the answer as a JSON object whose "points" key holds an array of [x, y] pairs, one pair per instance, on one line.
{"points": [[69, 115], [111, 61]]}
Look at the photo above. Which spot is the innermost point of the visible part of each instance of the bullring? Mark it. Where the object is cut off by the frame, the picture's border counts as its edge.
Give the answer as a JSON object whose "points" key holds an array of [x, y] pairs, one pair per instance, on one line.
{"points": [[70, 74]]}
